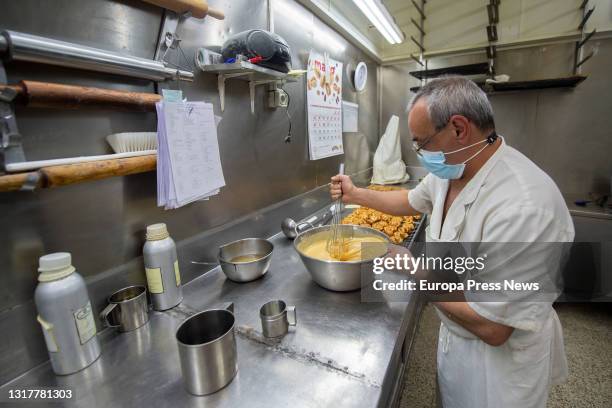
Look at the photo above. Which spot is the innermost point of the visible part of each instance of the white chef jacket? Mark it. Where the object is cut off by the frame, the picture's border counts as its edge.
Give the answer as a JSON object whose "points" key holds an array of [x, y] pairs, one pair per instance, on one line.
{"points": [[510, 199]]}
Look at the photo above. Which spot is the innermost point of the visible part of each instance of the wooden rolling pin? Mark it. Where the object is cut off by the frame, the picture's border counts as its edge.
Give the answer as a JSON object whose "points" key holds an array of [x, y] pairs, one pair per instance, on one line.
{"points": [[198, 8], [12, 182], [55, 176], [49, 95]]}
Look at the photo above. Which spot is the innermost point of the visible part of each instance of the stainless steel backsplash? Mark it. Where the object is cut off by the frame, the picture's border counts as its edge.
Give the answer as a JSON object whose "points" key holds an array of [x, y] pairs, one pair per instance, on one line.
{"points": [[102, 223]]}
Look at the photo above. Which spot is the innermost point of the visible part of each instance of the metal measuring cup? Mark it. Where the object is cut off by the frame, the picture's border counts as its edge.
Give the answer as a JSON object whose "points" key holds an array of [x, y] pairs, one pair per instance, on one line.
{"points": [[127, 309], [276, 317]]}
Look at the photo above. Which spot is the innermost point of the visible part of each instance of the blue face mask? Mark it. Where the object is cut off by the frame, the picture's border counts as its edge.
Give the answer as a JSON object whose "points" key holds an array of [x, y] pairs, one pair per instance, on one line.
{"points": [[435, 162]]}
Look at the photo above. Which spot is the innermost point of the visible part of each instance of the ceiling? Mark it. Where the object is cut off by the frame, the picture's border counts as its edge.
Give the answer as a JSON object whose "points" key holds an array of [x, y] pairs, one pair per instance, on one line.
{"points": [[461, 24]]}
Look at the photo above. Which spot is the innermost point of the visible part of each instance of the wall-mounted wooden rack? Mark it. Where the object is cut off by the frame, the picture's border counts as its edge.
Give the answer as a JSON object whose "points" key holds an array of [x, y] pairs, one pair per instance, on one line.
{"points": [[34, 94], [55, 176], [59, 96]]}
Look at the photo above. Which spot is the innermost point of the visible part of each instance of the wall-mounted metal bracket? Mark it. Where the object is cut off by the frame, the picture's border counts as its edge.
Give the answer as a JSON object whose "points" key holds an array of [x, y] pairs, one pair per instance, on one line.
{"points": [[421, 42], [418, 44], [492, 37], [31, 182], [418, 26], [415, 59], [491, 52], [492, 33], [585, 18], [11, 150], [246, 71], [585, 59], [493, 12], [252, 84], [579, 58], [419, 9], [587, 38], [168, 37], [221, 86]]}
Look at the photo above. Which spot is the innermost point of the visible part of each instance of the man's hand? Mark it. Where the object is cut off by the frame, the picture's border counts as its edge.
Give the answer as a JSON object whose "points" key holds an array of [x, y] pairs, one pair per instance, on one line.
{"points": [[393, 250], [341, 185], [390, 202]]}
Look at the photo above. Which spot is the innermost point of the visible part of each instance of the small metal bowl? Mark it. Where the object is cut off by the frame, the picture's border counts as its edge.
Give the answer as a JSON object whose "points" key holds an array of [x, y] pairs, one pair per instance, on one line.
{"points": [[245, 271]]}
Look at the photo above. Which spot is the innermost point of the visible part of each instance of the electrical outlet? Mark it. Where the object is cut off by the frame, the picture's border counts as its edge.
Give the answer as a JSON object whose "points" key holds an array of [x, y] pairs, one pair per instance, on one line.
{"points": [[277, 98]]}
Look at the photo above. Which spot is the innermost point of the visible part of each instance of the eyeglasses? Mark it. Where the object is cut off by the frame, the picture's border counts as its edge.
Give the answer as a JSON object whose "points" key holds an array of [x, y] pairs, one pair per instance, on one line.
{"points": [[417, 148]]}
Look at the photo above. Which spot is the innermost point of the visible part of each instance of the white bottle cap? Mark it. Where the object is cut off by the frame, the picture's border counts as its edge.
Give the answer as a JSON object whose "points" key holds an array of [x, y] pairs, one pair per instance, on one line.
{"points": [[157, 231], [55, 266]]}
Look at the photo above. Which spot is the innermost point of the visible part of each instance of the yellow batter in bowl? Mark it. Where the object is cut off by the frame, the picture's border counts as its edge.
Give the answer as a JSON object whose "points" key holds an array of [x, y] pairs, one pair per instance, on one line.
{"points": [[316, 247]]}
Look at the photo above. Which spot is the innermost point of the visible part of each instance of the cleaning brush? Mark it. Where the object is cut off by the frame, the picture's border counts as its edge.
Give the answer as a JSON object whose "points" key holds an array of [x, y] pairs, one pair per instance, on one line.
{"points": [[132, 141], [130, 144]]}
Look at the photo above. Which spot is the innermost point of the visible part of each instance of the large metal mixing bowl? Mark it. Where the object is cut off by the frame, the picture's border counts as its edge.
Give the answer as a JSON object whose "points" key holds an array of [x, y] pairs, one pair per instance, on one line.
{"points": [[341, 276], [250, 270]]}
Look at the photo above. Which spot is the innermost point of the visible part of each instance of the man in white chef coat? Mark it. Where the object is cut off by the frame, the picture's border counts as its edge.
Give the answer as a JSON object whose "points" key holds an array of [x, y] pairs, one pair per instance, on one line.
{"points": [[490, 354]]}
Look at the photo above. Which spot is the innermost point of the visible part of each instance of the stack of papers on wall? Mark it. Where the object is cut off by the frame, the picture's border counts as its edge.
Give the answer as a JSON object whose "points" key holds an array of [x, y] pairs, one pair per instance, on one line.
{"points": [[188, 160]]}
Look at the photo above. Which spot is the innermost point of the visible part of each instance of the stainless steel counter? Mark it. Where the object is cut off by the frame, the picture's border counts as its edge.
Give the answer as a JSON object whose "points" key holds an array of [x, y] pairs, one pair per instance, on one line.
{"points": [[343, 353], [590, 210]]}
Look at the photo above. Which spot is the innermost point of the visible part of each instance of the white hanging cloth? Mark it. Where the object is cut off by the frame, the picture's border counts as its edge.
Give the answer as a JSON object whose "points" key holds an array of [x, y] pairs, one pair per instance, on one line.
{"points": [[389, 168]]}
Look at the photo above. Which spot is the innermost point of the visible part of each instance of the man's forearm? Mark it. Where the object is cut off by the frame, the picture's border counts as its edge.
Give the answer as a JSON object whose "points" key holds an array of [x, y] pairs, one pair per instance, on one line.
{"points": [[456, 308], [389, 202], [492, 333]]}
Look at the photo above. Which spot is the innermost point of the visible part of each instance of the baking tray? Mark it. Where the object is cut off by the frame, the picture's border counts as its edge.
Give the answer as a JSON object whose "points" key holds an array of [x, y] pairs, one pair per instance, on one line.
{"points": [[409, 240]]}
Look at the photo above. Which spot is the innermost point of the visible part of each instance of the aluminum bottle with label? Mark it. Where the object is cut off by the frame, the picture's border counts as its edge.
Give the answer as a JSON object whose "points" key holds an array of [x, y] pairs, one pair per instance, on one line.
{"points": [[162, 269], [65, 314]]}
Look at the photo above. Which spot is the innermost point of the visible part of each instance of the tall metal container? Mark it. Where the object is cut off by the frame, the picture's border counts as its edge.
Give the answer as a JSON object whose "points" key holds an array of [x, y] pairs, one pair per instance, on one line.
{"points": [[65, 315], [162, 268], [207, 350]]}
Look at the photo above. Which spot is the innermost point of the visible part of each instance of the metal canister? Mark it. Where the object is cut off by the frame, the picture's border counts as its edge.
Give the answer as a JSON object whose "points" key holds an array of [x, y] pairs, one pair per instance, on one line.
{"points": [[65, 315], [207, 350], [162, 268]]}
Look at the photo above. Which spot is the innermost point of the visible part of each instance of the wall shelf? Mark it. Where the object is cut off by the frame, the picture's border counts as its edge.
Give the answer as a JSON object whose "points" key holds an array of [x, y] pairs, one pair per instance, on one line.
{"points": [[246, 71], [481, 68], [565, 82], [479, 82]]}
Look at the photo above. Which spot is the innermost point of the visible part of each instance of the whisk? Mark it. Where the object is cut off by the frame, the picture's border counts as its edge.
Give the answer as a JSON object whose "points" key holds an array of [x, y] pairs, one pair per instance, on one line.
{"points": [[336, 242]]}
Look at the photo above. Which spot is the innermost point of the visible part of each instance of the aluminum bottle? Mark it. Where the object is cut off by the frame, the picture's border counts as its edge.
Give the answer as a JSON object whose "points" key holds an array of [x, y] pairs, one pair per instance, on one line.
{"points": [[162, 268], [65, 314]]}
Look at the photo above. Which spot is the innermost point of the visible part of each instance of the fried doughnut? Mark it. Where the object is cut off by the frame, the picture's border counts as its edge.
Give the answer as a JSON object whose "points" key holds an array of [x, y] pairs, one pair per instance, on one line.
{"points": [[390, 230]]}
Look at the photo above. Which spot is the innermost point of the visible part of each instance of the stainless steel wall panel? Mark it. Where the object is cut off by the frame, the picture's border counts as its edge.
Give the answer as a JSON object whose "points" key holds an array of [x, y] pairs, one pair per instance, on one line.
{"points": [[127, 26], [102, 223], [564, 131], [395, 84]]}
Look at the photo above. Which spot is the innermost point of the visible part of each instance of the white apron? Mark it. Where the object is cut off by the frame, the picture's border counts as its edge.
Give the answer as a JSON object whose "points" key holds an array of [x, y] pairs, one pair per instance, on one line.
{"points": [[517, 374], [471, 373]]}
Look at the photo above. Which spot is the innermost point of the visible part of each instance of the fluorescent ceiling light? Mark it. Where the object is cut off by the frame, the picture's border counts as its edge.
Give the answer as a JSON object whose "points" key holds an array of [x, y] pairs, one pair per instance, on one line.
{"points": [[379, 16]]}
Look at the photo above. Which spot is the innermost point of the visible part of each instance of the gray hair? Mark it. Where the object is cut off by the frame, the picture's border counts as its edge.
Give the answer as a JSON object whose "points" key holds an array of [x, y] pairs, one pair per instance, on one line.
{"points": [[455, 95]]}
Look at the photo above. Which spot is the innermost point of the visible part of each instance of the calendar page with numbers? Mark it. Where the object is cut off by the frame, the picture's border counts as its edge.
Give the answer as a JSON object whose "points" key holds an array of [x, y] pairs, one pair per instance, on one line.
{"points": [[324, 99]]}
